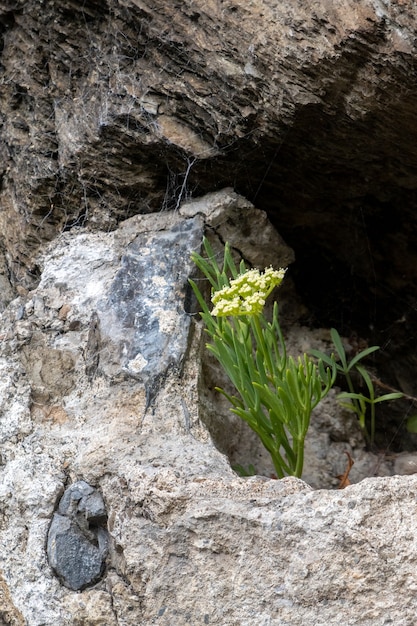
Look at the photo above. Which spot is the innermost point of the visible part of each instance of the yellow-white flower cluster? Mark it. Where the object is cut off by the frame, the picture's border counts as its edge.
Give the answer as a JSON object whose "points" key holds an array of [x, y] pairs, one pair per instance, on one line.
{"points": [[247, 293]]}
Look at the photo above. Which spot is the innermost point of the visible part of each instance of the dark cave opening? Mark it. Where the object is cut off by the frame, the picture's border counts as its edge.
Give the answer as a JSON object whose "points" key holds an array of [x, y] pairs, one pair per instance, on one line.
{"points": [[334, 189]]}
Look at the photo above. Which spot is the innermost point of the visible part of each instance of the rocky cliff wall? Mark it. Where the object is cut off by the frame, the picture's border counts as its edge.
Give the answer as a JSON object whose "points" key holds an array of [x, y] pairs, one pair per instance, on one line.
{"points": [[118, 503], [110, 109]]}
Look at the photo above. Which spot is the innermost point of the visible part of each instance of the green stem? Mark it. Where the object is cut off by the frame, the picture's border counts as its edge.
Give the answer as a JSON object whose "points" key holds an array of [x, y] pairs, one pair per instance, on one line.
{"points": [[277, 466], [256, 325], [358, 409], [350, 384], [299, 449], [372, 423]]}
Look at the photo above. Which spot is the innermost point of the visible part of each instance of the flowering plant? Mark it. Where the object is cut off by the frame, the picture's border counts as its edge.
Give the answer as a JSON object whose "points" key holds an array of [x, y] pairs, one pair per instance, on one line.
{"points": [[247, 293], [275, 392]]}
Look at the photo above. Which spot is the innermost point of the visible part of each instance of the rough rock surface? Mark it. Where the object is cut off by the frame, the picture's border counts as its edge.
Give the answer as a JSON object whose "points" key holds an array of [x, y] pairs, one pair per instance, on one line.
{"points": [[307, 109], [275, 552], [112, 114], [188, 541], [114, 108]]}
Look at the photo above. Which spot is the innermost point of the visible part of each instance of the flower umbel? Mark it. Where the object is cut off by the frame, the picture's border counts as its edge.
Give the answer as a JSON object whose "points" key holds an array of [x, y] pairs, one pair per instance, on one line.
{"points": [[247, 293]]}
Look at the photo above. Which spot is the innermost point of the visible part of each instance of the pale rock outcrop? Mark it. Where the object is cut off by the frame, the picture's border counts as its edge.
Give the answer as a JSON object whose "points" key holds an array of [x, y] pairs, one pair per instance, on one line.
{"points": [[186, 540]]}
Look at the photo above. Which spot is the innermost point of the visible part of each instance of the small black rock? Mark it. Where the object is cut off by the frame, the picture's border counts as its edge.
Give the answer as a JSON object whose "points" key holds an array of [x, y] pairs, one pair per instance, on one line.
{"points": [[77, 541]]}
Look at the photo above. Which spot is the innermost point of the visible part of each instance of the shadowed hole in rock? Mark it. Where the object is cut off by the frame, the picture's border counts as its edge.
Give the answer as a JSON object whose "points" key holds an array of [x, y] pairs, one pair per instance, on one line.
{"points": [[338, 197]]}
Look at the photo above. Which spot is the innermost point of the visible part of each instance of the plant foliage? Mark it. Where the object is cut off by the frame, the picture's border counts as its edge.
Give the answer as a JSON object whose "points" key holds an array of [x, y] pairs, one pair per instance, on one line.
{"points": [[275, 392], [361, 404]]}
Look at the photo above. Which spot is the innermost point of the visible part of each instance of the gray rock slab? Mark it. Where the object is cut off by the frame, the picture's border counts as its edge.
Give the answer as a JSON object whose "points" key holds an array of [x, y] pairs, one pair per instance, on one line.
{"points": [[146, 313], [275, 553]]}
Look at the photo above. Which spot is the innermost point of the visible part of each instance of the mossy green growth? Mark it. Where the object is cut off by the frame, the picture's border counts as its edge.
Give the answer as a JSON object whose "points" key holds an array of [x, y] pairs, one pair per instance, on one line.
{"points": [[275, 393]]}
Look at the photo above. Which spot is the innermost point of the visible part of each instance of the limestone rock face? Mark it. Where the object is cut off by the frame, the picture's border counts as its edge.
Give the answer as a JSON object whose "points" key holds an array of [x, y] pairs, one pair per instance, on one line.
{"points": [[275, 552], [117, 508], [116, 108], [128, 130]]}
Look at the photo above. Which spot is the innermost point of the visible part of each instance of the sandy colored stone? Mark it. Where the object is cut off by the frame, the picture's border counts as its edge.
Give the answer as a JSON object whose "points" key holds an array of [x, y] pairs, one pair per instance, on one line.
{"points": [[9, 615]]}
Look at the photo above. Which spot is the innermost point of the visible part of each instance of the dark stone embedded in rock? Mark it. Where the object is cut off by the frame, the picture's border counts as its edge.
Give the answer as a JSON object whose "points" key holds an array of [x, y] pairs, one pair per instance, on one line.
{"points": [[82, 501], [77, 545]]}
